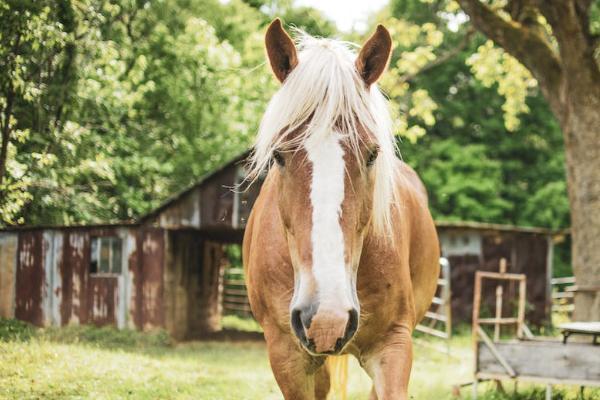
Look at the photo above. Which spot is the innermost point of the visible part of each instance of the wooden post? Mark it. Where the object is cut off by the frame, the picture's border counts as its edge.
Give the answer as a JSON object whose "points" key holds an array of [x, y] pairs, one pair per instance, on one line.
{"points": [[475, 322], [498, 320], [447, 295], [522, 301], [499, 294], [548, 392], [211, 287]]}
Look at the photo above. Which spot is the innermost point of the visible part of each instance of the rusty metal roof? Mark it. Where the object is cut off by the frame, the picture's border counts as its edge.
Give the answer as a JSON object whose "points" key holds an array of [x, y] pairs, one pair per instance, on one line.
{"points": [[485, 226], [173, 199], [120, 224]]}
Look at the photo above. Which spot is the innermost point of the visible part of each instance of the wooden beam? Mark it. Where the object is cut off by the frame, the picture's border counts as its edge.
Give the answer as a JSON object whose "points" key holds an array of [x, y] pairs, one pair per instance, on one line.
{"points": [[435, 316], [497, 275], [499, 295], [488, 342], [527, 332], [564, 280], [498, 321], [521, 311], [431, 331], [544, 361], [475, 319]]}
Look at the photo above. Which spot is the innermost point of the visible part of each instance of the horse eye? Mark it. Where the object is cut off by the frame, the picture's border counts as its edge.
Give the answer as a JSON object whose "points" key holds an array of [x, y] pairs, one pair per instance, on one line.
{"points": [[372, 156], [278, 158]]}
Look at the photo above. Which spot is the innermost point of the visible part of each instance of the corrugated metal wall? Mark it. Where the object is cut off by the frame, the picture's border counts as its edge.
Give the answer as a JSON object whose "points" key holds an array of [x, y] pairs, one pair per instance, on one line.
{"points": [[8, 272], [46, 278]]}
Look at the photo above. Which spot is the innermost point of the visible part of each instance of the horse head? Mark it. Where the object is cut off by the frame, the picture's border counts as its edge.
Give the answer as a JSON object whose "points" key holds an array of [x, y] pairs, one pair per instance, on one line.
{"points": [[327, 134]]}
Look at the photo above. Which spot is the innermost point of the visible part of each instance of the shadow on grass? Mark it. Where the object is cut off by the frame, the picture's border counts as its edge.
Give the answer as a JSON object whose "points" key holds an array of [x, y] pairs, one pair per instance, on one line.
{"points": [[12, 330], [109, 338]]}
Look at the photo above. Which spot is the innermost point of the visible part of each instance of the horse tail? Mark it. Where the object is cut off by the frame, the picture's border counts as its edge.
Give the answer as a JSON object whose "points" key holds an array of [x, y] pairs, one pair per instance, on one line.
{"points": [[338, 376]]}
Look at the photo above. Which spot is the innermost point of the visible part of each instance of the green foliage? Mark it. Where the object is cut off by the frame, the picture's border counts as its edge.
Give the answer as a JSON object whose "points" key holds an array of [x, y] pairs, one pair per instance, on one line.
{"points": [[309, 20], [456, 126], [237, 323], [36, 60], [140, 100], [118, 105], [492, 65], [15, 330], [463, 182]]}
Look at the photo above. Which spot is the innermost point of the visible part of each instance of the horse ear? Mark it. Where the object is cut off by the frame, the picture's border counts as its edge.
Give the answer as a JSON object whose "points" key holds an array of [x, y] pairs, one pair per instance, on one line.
{"points": [[281, 50], [374, 56]]}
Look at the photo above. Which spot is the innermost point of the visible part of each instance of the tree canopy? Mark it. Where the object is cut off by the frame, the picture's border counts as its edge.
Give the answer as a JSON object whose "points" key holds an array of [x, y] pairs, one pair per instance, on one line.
{"points": [[109, 107]]}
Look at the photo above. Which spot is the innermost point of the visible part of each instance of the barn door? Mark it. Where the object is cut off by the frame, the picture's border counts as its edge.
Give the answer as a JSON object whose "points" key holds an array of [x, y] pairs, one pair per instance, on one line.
{"points": [[211, 286]]}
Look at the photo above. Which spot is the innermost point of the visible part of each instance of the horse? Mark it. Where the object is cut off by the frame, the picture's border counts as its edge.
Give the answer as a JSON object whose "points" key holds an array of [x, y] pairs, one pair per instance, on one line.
{"points": [[340, 252]]}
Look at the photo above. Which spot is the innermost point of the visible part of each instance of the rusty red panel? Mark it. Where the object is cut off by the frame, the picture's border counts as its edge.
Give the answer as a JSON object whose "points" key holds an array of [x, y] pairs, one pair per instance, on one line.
{"points": [[153, 252], [102, 300], [74, 272], [135, 272], [65, 269], [30, 277]]}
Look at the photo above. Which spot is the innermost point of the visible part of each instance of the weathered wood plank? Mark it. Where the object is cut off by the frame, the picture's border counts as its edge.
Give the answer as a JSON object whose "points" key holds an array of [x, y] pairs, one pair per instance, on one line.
{"points": [[494, 351], [544, 360], [589, 328], [431, 331]]}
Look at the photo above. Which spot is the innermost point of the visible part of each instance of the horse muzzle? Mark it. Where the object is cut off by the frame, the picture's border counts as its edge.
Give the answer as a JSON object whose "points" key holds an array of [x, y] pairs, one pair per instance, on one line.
{"points": [[324, 331]]}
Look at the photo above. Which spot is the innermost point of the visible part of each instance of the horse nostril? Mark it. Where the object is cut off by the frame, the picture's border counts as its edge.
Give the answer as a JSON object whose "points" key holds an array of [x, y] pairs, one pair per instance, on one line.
{"points": [[318, 340], [352, 324], [351, 328], [306, 317], [301, 320], [297, 325]]}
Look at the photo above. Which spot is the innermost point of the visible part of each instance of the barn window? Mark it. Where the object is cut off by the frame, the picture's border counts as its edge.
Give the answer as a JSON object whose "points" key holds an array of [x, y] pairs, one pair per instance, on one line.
{"points": [[106, 257], [460, 243]]}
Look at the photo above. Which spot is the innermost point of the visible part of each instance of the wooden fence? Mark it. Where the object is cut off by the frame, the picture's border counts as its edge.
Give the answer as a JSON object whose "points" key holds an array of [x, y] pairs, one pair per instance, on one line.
{"points": [[563, 293], [235, 295], [438, 319]]}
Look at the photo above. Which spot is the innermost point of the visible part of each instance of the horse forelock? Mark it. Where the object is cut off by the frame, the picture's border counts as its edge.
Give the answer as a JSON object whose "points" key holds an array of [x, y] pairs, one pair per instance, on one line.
{"points": [[323, 96]]}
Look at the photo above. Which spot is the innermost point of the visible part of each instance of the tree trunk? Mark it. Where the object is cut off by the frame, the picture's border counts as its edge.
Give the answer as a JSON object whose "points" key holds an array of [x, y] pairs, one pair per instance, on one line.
{"points": [[581, 128], [570, 81], [5, 126]]}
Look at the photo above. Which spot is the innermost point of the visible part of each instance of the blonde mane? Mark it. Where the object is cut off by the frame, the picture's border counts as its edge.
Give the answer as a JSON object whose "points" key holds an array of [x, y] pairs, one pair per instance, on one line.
{"points": [[326, 92]]}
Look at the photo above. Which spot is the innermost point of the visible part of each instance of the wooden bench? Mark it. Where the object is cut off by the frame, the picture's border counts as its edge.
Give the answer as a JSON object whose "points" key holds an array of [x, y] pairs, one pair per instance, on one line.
{"points": [[580, 328]]}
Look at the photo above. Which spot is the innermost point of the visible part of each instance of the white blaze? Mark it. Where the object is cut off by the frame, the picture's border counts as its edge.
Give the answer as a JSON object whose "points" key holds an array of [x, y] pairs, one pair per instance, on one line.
{"points": [[326, 195]]}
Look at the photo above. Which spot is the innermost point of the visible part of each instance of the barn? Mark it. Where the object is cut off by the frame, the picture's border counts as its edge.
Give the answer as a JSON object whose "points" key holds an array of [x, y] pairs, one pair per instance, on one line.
{"points": [[165, 270]]}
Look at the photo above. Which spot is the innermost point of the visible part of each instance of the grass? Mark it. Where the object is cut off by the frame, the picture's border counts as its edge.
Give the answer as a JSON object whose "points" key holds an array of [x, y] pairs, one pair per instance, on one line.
{"points": [[103, 363], [240, 324]]}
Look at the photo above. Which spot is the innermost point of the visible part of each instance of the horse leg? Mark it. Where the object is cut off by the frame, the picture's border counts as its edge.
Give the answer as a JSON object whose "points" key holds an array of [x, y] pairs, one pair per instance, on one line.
{"points": [[389, 364], [293, 368], [373, 395], [322, 383]]}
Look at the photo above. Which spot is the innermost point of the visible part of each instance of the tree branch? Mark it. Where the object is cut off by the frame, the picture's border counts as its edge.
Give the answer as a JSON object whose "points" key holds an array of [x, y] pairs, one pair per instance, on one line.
{"points": [[6, 132], [441, 59], [570, 24], [10, 97], [569, 20], [522, 42]]}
